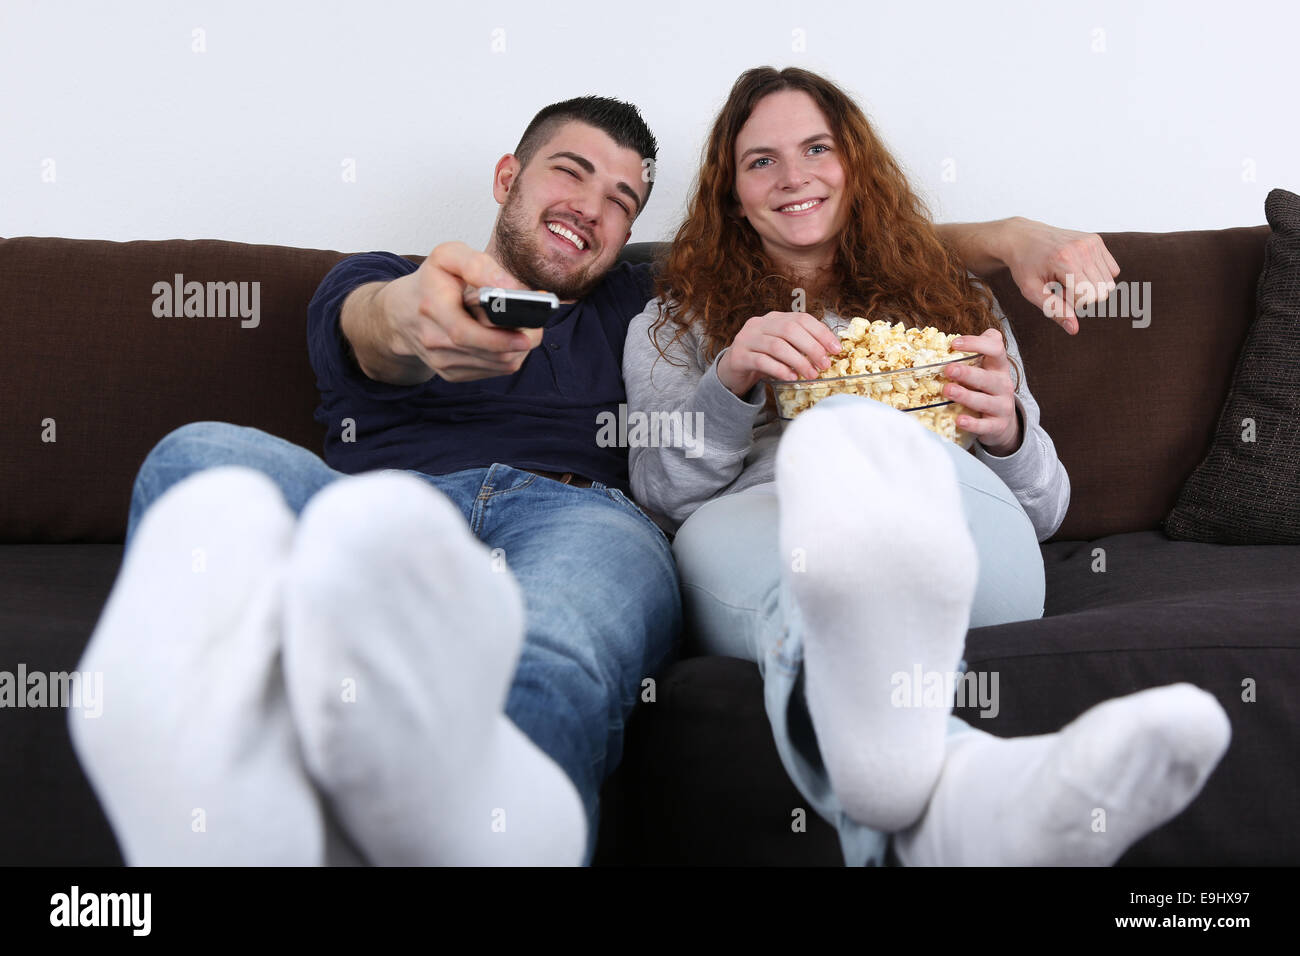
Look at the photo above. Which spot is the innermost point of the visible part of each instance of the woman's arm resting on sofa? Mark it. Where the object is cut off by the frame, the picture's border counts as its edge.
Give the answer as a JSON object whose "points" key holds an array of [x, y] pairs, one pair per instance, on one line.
{"points": [[1038, 255]]}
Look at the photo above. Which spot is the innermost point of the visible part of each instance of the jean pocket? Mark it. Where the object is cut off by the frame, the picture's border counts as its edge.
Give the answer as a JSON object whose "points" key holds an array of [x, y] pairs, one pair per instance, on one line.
{"points": [[626, 502]]}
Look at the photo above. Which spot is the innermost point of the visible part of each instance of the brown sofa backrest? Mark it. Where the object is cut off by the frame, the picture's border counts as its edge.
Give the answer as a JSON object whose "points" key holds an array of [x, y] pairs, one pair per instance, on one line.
{"points": [[83, 347], [1131, 410]]}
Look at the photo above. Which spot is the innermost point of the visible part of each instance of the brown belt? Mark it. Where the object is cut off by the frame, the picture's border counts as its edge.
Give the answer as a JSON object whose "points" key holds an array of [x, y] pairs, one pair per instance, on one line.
{"points": [[563, 477]]}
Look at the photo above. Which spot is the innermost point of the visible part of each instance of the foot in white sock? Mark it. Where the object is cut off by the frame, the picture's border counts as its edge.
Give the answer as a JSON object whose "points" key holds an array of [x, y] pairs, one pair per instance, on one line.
{"points": [[195, 758], [1080, 797], [870, 502], [401, 643]]}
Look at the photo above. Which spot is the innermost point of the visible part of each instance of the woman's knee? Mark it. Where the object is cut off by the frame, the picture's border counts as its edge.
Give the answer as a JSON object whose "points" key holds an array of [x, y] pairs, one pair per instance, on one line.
{"points": [[725, 534], [727, 555], [1009, 590]]}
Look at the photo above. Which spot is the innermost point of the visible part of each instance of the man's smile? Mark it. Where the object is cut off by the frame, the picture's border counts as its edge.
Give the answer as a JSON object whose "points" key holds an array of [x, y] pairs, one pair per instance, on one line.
{"points": [[567, 235]]}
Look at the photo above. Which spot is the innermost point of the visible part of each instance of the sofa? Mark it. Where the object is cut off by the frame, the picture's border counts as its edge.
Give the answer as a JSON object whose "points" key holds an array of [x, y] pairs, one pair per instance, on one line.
{"points": [[95, 376]]}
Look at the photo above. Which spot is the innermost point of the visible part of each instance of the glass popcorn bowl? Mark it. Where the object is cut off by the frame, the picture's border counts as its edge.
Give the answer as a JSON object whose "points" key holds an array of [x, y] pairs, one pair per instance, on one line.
{"points": [[917, 391]]}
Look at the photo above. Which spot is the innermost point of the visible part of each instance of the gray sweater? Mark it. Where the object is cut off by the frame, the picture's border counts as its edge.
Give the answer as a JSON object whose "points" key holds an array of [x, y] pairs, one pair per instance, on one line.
{"points": [[719, 443]]}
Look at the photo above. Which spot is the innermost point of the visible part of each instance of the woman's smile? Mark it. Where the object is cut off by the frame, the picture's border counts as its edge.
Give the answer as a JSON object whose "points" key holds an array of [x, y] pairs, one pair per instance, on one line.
{"points": [[802, 208]]}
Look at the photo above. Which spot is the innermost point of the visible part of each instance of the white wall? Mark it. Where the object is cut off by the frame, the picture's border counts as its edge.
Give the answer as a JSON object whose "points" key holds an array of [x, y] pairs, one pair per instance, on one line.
{"points": [[1182, 117]]}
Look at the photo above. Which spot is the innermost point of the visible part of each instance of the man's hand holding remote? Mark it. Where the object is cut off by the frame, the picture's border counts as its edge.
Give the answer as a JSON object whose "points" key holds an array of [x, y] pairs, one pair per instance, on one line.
{"points": [[406, 331]]}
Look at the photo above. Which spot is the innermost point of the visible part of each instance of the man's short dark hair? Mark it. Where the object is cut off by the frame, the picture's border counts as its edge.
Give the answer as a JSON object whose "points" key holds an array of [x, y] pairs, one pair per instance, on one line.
{"points": [[621, 121]]}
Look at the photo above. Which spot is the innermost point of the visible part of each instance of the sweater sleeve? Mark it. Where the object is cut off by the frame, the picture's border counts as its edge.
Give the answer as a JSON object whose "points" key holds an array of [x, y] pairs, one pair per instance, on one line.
{"points": [[1033, 471], [673, 478]]}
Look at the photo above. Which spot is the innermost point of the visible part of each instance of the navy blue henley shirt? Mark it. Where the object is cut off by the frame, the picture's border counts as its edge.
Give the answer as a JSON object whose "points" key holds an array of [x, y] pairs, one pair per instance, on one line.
{"points": [[543, 417]]}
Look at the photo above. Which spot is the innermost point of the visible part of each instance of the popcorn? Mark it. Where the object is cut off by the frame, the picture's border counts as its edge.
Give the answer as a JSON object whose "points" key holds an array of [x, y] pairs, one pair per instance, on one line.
{"points": [[877, 347]]}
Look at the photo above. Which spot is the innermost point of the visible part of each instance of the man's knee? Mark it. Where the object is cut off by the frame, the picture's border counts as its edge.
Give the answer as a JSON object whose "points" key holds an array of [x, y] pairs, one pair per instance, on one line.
{"points": [[185, 451], [190, 442]]}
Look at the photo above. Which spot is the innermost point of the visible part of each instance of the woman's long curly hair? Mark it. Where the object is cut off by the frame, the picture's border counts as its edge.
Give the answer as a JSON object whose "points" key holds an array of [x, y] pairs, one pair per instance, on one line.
{"points": [[889, 262]]}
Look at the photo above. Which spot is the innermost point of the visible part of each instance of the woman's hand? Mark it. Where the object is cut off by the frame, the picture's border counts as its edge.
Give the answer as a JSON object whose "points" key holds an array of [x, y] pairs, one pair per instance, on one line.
{"points": [[988, 391], [780, 345]]}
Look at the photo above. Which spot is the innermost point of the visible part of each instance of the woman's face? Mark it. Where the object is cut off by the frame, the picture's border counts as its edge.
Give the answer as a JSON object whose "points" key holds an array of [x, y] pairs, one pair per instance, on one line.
{"points": [[790, 181]]}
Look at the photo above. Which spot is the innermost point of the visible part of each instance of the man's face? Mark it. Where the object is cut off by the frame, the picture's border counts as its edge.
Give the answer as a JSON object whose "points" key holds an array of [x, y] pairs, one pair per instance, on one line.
{"points": [[568, 213]]}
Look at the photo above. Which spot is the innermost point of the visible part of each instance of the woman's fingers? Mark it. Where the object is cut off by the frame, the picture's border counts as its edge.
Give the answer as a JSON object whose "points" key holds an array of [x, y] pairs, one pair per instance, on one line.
{"points": [[828, 340], [989, 344], [981, 402], [768, 367], [783, 346], [980, 427], [987, 390], [809, 345], [782, 351], [991, 380]]}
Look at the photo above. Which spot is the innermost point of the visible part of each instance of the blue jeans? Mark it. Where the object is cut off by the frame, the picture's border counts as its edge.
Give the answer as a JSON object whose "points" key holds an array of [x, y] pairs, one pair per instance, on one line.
{"points": [[729, 560], [603, 609]]}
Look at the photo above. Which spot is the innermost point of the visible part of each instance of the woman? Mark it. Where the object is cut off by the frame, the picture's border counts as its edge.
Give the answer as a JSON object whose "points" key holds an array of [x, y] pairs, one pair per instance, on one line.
{"points": [[850, 552]]}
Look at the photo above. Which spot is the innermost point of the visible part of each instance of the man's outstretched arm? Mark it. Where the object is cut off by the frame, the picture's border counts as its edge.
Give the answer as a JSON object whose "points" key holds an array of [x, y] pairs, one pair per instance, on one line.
{"points": [[405, 331], [1037, 255]]}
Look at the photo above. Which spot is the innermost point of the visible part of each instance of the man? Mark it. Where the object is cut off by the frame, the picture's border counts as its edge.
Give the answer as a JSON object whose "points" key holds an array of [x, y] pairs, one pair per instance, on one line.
{"points": [[432, 662]]}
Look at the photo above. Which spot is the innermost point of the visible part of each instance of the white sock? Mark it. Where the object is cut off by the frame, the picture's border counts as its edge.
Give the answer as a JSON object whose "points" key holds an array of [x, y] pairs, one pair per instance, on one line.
{"points": [[195, 758], [401, 643], [880, 562], [1130, 764]]}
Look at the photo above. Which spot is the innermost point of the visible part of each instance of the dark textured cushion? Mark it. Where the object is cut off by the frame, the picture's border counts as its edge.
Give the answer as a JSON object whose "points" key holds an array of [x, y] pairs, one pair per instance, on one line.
{"points": [[50, 598], [83, 347], [1146, 568], [1247, 491], [1132, 410]]}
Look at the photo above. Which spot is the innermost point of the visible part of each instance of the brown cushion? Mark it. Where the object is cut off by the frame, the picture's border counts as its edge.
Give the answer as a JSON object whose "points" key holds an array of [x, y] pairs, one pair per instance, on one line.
{"points": [[1132, 410], [1247, 490], [83, 347]]}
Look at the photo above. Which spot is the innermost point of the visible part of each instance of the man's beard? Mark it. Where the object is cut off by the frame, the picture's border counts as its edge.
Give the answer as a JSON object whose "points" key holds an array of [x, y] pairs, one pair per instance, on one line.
{"points": [[518, 249]]}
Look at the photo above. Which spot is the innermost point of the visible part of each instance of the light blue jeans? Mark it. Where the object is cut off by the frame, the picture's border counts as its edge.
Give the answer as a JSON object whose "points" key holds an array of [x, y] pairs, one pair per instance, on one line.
{"points": [[730, 565], [601, 597]]}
